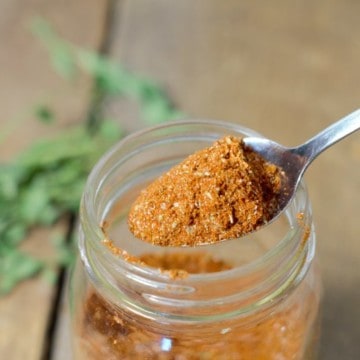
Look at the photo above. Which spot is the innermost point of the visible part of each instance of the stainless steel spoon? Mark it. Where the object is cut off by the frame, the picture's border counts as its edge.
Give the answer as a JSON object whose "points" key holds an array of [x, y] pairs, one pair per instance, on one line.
{"points": [[294, 161]]}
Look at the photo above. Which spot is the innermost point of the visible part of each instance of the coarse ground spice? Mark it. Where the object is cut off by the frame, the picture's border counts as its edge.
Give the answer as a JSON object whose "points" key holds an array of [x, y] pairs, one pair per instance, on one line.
{"points": [[193, 263], [175, 265], [221, 192], [111, 333], [284, 330]]}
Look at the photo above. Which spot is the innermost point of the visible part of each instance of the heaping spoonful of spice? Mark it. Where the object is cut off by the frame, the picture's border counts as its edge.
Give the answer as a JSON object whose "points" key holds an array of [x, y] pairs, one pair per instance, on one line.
{"points": [[227, 190]]}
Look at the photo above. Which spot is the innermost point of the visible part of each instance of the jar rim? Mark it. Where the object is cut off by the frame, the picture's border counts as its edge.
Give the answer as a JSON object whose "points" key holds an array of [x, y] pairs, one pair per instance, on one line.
{"points": [[89, 218]]}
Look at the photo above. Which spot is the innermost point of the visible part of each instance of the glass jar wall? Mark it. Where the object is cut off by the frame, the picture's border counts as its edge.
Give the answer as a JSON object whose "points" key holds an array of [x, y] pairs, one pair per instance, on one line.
{"points": [[251, 298]]}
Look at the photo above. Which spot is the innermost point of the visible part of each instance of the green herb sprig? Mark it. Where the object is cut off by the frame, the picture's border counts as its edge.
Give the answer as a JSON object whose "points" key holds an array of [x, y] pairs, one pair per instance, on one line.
{"points": [[39, 188], [46, 181], [110, 78]]}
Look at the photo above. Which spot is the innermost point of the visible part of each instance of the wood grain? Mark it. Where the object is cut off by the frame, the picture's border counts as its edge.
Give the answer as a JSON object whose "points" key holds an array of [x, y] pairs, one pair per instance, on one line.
{"points": [[26, 80], [286, 70], [25, 311]]}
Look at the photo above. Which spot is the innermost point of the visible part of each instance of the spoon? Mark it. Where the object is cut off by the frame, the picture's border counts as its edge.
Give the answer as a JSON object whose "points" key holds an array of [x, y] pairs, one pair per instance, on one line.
{"points": [[200, 200], [294, 161]]}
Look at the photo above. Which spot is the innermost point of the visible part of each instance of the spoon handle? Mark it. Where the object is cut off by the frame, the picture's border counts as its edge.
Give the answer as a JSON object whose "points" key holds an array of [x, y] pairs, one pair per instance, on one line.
{"points": [[329, 136]]}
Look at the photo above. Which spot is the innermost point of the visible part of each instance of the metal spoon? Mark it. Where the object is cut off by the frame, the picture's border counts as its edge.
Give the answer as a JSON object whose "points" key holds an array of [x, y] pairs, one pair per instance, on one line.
{"points": [[294, 161]]}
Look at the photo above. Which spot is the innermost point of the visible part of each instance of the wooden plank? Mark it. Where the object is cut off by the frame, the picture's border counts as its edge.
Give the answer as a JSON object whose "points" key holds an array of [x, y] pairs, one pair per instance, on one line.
{"points": [[24, 312], [62, 347], [27, 79], [287, 71]]}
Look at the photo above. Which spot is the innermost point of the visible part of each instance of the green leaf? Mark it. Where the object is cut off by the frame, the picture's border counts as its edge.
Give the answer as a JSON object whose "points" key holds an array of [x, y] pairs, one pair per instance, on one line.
{"points": [[34, 202], [10, 176], [60, 52], [44, 114], [50, 275], [14, 234], [109, 77], [48, 152], [110, 130], [112, 79], [15, 267], [48, 179], [63, 61], [42, 29]]}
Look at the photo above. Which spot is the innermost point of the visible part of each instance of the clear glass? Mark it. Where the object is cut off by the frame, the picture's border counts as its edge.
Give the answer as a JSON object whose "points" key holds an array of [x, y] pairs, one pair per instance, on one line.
{"points": [[265, 307]]}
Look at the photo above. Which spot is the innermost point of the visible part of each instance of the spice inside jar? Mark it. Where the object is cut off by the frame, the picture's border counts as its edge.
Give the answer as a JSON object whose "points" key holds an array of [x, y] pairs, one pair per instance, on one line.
{"points": [[115, 335], [251, 298]]}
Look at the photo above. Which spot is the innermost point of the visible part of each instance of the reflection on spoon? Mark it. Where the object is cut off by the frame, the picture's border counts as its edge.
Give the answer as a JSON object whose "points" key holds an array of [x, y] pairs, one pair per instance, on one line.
{"points": [[228, 190], [294, 161]]}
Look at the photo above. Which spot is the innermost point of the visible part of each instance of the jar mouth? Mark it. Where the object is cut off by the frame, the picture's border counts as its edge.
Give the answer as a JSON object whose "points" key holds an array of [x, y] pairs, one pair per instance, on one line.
{"points": [[96, 206]]}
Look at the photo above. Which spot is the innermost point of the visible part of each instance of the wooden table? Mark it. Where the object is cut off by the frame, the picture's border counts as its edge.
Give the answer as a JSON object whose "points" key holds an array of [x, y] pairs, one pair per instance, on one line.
{"points": [[285, 69]]}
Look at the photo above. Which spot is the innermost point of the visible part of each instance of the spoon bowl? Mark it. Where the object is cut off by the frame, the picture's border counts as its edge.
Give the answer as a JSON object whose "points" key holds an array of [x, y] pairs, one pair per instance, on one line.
{"points": [[294, 161]]}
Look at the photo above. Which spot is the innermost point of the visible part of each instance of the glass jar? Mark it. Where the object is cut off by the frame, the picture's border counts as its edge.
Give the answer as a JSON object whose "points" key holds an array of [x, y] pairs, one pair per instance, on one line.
{"points": [[263, 304]]}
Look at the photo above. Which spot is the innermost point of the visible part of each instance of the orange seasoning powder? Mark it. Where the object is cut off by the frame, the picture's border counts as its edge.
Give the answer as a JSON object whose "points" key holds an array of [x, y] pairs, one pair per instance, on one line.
{"points": [[220, 192], [112, 334], [217, 193]]}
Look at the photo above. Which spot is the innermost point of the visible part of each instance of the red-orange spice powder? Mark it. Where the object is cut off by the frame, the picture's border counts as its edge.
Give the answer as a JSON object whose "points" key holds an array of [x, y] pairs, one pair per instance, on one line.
{"points": [[110, 333], [220, 192]]}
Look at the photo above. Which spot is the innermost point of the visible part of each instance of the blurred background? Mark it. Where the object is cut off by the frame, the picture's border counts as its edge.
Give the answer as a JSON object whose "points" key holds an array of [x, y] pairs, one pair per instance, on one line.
{"points": [[285, 69]]}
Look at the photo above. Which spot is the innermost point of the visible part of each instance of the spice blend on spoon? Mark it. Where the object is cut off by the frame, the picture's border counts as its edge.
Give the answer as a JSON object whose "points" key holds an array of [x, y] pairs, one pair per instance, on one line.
{"points": [[218, 193]]}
